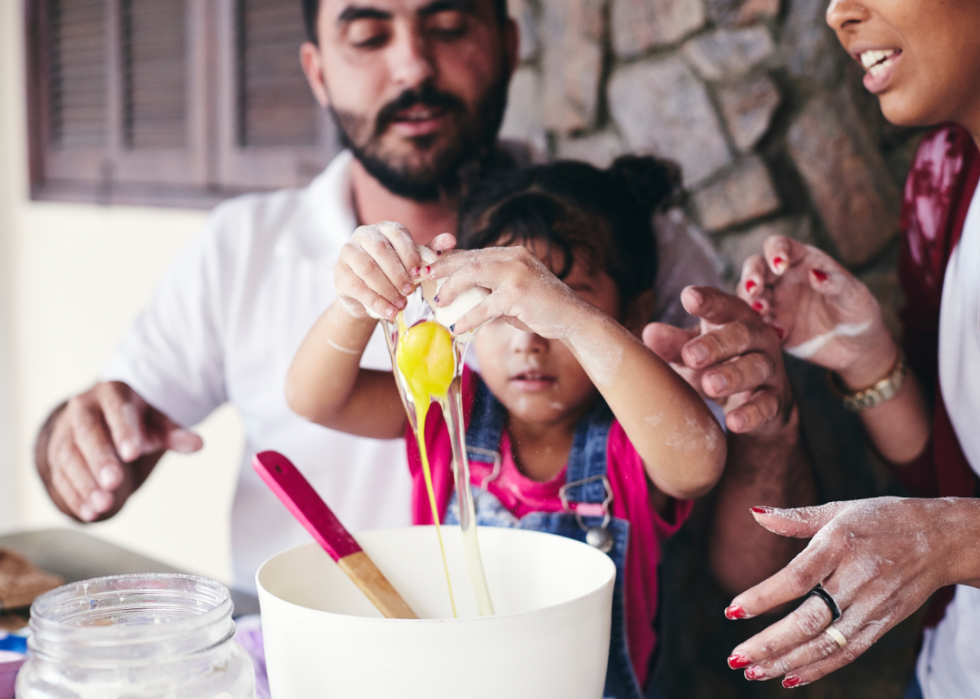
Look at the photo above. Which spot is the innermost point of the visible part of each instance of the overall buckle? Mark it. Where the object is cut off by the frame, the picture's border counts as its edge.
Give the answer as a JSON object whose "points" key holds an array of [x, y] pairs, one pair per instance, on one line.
{"points": [[597, 537], [497, 461]]}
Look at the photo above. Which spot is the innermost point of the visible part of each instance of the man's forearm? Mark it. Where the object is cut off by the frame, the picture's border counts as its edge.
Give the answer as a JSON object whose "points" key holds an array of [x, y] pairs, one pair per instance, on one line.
{"points": [[775, 473]]}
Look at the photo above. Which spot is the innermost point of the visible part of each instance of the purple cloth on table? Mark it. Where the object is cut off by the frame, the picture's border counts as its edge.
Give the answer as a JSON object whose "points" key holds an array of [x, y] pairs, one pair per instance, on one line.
{"points": [[10, 663], [249, 636]]}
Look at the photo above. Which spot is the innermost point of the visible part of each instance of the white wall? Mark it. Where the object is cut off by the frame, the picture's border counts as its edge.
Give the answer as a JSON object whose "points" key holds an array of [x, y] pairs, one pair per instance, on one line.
{"points": [[8, 499], [72, 279]]}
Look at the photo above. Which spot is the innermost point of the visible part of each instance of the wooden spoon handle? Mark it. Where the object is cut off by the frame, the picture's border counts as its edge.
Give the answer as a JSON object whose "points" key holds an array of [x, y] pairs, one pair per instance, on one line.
{"points": [[375, 585], [296, 493]]}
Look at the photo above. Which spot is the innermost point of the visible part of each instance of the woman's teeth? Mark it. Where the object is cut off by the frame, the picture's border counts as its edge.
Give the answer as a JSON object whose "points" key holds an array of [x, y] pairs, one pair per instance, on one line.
{"points": [[875, 61]]}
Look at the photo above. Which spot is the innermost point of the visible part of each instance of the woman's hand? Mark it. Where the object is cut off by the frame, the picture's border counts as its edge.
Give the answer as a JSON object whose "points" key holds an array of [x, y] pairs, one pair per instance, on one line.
{"points": [[879, 559], [822, 312], [523, 290], [378, 267]]}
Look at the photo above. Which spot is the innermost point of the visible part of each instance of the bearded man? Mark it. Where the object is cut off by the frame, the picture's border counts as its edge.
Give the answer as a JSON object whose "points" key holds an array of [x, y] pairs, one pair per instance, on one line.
{"points": [[418, 89]]}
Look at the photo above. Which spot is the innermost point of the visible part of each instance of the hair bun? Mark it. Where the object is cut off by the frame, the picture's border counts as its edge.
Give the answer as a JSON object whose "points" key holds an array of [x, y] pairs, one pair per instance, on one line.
{"points": [[654, 183]]}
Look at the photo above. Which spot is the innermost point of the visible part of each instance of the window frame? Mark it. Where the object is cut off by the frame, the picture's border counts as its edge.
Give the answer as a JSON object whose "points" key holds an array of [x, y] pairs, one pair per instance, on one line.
{"points": [[214, 165], [257, 167]]}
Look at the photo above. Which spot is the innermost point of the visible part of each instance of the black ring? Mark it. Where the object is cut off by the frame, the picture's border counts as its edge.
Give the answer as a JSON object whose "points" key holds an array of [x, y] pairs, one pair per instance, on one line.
{"points": [[831, 603]]}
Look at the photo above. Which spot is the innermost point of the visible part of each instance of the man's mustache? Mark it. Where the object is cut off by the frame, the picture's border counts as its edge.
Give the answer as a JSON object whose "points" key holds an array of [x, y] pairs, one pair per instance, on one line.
{"points": [[426, 96]]}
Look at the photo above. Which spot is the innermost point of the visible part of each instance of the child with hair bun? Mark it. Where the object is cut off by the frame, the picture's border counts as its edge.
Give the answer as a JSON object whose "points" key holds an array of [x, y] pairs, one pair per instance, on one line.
{"points": [[572, 424]]}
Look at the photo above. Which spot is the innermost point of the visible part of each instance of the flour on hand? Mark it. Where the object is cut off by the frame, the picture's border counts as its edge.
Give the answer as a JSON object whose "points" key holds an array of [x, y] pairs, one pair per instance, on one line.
{"points": [[806, 350]]}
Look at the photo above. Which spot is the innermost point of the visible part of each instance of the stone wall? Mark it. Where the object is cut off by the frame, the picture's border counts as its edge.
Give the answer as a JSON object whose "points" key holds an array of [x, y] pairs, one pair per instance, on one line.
{"points": [[754, 98]]}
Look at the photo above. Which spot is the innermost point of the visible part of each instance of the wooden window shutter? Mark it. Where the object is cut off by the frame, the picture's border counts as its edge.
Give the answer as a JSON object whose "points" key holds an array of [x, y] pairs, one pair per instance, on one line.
{"points": [[159, 98], [272, 131], [78, 74], [275, 107], [174, 102], [154, 58], [69, 94], [118, 99]]}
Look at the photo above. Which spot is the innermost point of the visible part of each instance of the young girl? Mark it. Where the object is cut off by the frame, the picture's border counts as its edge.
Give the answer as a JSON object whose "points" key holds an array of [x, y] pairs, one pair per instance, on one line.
{"points": [[572, 424]]}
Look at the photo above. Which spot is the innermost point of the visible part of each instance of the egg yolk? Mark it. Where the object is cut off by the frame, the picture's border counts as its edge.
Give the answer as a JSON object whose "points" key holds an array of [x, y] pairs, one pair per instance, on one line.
{"points": [[426, 359]]}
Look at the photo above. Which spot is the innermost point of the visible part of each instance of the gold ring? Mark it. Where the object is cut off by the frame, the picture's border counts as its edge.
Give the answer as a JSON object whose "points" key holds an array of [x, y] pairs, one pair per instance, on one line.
{"points": [[836, 635]]}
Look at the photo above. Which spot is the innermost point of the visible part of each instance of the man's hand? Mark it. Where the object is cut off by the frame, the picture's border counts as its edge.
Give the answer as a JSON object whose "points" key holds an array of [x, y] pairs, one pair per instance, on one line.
{"points": [[96, 449], [733, 358]]}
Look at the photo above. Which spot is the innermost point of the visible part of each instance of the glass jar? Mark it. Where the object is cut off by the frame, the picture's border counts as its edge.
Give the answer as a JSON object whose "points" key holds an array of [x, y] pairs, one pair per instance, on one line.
{"points": [[135, 637]]}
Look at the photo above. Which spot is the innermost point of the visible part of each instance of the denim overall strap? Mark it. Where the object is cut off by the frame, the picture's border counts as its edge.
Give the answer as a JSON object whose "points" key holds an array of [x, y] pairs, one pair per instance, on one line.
{"points": [[486, 424], [586, 483], [587, 460]]}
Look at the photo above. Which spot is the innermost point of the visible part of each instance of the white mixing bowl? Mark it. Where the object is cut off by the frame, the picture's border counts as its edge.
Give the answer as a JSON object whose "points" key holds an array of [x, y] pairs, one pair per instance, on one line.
{"points": [[550, 637]]}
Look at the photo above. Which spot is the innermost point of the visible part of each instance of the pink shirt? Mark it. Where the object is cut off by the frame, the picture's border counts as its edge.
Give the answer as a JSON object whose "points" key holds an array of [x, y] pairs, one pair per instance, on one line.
{"points": [[521, 495]]}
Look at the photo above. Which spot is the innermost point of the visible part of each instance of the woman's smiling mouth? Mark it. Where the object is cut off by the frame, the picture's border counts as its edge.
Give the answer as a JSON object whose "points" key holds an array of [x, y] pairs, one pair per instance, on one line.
{"points": [[880, 65]]}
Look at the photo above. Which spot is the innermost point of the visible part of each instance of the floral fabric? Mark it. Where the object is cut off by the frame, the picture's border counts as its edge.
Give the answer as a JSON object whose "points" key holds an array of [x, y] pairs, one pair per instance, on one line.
{"points": [[938, 193]]}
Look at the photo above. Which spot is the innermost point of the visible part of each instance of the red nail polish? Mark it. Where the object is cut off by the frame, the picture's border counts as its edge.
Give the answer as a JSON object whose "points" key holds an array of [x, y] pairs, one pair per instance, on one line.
{"points": [[755, 673], [439, 252], [778, 262], [737, 661], [415, 271], [780, 332], [735, 612], [762, 510], [757, 306], [791, 682], [820, 275], [428, 269], [749, 285]]}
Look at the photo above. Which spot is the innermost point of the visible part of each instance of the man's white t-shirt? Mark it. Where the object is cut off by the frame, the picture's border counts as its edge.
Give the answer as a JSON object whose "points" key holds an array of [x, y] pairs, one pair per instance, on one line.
{"points": [[949, 665], [229, 316]]}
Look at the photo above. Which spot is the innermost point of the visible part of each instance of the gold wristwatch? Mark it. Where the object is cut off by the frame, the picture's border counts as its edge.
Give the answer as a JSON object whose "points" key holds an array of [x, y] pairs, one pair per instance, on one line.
{"points": [[881, 392]]}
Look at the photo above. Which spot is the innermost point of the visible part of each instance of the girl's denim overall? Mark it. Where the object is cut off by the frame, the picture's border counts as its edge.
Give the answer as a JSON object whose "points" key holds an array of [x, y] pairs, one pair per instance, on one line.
{"points": [[586, 483]]}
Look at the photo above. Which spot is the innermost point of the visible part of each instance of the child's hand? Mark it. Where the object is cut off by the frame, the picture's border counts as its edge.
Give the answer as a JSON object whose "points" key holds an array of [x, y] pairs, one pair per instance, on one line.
{"points": [[375, 269], [523, 291], [822, 312], [378, 267]]}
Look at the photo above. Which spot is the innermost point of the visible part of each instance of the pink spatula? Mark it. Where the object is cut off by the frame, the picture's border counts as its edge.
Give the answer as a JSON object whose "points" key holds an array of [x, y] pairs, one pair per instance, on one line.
{"points": [[298, 495]]}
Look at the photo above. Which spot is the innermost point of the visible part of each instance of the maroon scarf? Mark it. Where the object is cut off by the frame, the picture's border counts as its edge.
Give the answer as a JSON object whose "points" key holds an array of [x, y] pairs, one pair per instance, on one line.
{"points": [[938, 194]]}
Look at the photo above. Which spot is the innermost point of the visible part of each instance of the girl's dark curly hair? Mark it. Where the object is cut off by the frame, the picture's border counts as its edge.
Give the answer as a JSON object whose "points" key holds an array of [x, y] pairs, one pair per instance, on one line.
{"points": [[574, 207]]}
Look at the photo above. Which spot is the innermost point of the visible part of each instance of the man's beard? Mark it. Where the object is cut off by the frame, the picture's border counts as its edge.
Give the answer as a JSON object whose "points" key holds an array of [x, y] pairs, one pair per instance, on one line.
{"points": [[440, 175]]}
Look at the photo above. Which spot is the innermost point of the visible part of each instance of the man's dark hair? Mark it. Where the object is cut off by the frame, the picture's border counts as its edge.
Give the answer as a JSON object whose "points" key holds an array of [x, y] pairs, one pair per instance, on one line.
{"points": [[575, 208], [311, 9]]}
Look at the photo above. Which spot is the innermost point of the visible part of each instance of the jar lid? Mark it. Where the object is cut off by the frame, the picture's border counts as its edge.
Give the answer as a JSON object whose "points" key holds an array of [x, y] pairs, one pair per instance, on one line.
{"points": [[137, 617]]}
